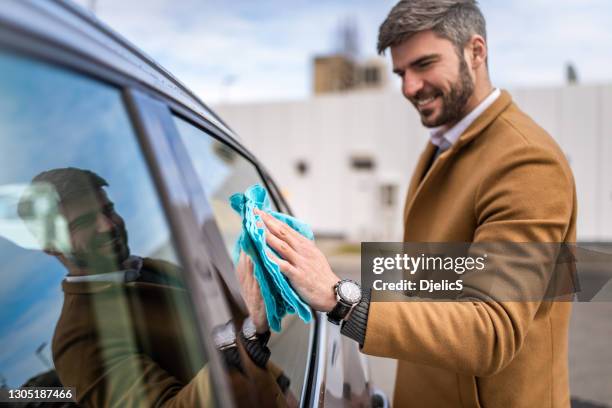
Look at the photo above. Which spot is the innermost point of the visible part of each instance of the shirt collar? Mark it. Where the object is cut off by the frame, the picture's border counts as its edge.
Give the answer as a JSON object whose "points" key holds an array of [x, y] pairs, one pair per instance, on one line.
{"points": [[132, 266], [444, 138]]}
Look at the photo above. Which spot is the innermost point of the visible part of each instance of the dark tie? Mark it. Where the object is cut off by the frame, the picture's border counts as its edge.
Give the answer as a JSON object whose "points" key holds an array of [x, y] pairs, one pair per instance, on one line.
{"points": [[439, 151]]}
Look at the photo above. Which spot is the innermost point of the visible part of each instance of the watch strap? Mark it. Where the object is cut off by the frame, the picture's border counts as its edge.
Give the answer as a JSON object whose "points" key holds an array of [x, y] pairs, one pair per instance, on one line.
{"points": [[263, 338], [355, 326], [231, 356], [339, 312], [257, 351]]}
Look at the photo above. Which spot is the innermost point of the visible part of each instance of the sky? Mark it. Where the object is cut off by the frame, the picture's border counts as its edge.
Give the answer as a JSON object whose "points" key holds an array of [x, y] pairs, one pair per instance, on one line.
{"points": [[244, 50]]}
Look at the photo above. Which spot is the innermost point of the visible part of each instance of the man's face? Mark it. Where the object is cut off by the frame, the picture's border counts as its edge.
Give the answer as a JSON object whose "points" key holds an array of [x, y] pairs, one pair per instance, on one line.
{"points": [[97, 233], [434, 78]]}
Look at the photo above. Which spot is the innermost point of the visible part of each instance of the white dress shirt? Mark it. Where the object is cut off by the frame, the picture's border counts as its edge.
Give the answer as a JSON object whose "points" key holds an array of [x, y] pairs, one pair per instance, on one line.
{"points": [[132, 266]]}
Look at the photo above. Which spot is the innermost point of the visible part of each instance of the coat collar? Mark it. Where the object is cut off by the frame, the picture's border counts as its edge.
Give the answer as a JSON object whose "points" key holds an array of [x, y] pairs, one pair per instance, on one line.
{"points": [[489, 115], [443, 135], [422, 174]]}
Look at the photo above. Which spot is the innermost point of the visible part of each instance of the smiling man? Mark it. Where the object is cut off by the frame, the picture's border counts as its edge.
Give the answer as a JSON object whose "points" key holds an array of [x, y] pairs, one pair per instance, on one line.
{"points": [[488, 174]]}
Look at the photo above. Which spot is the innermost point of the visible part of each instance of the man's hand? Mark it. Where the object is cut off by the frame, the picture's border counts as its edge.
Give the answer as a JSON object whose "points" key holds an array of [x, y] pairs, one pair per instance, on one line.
{"points": [[249, 287], [303, 264]]}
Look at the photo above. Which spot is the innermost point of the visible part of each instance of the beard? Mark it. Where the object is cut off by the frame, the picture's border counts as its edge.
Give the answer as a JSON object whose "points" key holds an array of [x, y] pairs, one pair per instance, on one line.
{"points": [[454, 102], [104, 253]]}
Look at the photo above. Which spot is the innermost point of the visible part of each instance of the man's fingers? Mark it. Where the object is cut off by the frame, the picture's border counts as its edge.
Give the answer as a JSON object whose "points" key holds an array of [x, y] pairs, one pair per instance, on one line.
{"points": [[240, 262], [286, 268], [248, 262], [283, 231], [242, 268], [281, 247]]}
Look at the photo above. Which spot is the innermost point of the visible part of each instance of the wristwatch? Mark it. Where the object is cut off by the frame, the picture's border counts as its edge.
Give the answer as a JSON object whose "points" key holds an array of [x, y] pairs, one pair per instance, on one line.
{"points": [[255, 343], [348, 295], [224, 337], [249, 332]]}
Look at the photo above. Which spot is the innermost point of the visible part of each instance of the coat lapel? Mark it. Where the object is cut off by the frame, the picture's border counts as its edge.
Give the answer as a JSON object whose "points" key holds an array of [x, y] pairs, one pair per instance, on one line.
{"points": [[419, 174], [420, 177]]}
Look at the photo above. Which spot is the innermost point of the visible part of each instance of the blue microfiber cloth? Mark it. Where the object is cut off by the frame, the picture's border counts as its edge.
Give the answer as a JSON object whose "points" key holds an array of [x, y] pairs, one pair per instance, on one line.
{"points": [[278, 295]]}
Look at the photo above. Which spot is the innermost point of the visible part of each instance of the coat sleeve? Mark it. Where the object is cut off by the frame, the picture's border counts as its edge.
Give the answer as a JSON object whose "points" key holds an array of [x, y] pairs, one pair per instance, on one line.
{"points": [[136, 380], [528, 197], [98, 355]]}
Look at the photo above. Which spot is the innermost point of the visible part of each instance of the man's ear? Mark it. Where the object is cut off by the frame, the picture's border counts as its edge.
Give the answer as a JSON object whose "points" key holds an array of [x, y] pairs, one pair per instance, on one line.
{"points": [[477, 50]]}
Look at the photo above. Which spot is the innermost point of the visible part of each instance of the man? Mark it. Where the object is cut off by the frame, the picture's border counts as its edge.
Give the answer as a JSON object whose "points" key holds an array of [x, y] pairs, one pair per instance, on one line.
{"points": [[126, 335], [488, 174]]}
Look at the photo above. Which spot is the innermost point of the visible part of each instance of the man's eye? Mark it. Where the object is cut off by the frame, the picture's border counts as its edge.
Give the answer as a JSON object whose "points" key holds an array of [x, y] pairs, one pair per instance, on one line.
{"points": [[424, 64], [85, 222]]}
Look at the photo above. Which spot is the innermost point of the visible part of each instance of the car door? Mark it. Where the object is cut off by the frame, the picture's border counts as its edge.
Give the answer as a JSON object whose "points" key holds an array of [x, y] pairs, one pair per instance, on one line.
{"points": [[219, 167], [324, 367], [107, 287], [215, 287]]}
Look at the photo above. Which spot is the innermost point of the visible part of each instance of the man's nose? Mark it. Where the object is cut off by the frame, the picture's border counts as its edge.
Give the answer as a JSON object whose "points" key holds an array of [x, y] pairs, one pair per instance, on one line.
{"points": [[411, 85]]}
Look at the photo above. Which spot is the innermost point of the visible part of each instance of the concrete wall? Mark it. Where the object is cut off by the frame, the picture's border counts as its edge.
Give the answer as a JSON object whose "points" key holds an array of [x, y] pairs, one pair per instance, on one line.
{"points": [[327, 131]]}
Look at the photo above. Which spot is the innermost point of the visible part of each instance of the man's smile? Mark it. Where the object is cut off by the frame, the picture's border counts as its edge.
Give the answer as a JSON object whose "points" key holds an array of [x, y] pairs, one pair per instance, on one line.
{"points": [[426, 103]]}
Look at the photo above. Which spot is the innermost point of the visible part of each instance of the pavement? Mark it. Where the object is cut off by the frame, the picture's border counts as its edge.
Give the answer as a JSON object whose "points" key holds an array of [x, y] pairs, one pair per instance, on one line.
{"points": [[590, 338]]}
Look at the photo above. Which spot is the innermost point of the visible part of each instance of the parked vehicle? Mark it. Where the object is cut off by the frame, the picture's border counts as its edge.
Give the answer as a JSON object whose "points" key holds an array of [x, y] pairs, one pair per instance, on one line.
{"points": [[75, 94]]}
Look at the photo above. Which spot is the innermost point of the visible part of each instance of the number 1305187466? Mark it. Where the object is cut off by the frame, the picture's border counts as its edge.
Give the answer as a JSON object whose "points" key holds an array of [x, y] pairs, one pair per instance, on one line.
{"points": [[37, 394]]}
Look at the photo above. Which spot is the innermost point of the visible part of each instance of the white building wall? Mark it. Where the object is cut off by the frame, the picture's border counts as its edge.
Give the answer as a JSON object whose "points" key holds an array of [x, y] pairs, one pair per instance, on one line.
{"points": [[327, 131], [605, 160], [576, 117]]}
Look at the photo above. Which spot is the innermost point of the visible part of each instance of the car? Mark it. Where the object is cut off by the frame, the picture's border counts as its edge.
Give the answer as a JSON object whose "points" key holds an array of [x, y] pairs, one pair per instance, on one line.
{"points": [[104, 152]]}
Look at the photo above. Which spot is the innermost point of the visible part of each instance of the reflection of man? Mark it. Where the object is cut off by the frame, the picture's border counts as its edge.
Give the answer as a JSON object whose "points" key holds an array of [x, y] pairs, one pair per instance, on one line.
{"points": [[98, 238], [489, 174], [126, 335]]}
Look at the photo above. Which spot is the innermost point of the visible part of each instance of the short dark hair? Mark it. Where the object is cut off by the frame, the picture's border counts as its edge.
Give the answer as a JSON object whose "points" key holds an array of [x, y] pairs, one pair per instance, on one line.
{"points": [[70, 183], [455, 20]]}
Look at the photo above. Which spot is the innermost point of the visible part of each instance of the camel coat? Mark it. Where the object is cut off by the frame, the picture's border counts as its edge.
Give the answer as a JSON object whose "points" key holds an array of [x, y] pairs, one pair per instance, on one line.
{"points": [[135, 345], [504, 180]]}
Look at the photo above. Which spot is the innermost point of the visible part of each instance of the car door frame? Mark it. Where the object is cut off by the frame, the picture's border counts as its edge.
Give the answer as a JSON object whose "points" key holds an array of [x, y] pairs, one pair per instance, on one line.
{"points": [[221, 259]]}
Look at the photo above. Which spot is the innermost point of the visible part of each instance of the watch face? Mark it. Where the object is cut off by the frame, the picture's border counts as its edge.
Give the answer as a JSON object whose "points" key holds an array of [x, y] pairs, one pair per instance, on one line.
{"points": [[349, 291], [248, 328], [224, 335]]}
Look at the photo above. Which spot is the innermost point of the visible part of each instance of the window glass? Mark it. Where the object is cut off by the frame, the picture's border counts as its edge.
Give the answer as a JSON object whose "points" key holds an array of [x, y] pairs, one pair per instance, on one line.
{"points": [[92, 294], [222, 172]]}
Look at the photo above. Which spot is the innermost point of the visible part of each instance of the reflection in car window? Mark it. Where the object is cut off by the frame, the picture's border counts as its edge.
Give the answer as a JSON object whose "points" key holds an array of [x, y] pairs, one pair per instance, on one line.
{"points": [[92, 295], [222, 171]]}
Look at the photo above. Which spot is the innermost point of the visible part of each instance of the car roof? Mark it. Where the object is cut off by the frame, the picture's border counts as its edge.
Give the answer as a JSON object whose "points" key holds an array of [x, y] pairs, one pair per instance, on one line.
{"points": [[75, 28]]}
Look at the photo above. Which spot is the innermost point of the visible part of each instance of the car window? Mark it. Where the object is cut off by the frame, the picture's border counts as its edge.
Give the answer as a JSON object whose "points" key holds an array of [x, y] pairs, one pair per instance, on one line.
{"points": [[92, 292], [222, 171]]}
